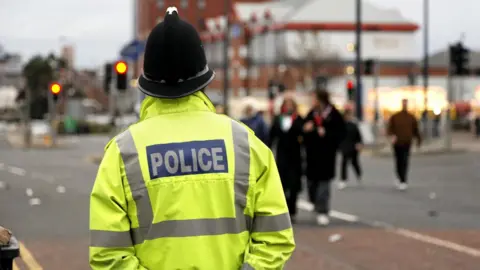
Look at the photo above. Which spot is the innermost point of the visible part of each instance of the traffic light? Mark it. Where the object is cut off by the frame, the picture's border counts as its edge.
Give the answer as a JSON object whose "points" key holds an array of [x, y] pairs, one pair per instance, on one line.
{"points": [[369, 67], [459, 59], [55, 90], [350, 90], [107, 78], [121, 69]]}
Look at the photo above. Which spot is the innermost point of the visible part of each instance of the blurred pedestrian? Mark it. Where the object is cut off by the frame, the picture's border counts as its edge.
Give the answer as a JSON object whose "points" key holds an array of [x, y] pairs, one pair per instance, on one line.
{"points": [[350, 149], [324, 130], [402, 129], [286, 136], [253, 118]]}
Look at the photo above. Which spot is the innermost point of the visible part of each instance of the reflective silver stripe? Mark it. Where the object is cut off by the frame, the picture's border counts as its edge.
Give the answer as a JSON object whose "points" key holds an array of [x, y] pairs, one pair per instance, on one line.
{"points": [[133, 171], [271, 223], [247, 266], [110, 239], [241, 148], [181, 228]]}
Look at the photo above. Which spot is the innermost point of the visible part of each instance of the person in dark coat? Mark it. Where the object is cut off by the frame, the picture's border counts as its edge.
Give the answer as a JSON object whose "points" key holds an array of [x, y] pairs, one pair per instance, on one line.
{"points": [[324, 130], [285, 135], [350, 149], [254, 120]]}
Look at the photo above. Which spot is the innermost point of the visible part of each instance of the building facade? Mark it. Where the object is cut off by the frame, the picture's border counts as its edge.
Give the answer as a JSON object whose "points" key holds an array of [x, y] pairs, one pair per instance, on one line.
{"points": [[296, 40]]}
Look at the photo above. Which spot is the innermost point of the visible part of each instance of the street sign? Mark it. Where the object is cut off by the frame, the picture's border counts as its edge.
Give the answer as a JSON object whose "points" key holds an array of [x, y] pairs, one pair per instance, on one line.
{"points": [[133, 50]]}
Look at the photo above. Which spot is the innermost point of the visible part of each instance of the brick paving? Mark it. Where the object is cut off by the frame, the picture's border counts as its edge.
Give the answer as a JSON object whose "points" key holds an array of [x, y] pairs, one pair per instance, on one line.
{"points": [[375, 249], [360, 248]]}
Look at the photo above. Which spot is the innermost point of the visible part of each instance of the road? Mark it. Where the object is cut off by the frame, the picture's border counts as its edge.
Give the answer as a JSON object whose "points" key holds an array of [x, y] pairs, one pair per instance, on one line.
{"points": [[433, 225]]}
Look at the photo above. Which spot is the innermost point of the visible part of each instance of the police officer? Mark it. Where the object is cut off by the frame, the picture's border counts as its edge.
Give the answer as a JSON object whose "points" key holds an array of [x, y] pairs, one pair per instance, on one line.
{"points": [[186, 188]]}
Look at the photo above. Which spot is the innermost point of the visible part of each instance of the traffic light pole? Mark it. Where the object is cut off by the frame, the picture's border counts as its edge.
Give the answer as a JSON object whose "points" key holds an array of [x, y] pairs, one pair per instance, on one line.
{"points": [[426, 120], [448, 119], [52, 115], [376, 73], [226, 58], [358, 61], [27, 135], [112, 96]]}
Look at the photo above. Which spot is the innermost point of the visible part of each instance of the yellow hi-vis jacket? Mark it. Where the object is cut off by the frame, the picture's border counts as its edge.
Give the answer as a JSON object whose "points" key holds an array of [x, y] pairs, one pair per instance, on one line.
{"points": [[186, 188]]}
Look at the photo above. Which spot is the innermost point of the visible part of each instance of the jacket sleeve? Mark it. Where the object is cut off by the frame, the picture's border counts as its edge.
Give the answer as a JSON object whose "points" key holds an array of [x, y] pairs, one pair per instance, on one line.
{"points": [[110, 240], [359, 134], [416, 130], [391, 126], [273, 134], [271, 241]]}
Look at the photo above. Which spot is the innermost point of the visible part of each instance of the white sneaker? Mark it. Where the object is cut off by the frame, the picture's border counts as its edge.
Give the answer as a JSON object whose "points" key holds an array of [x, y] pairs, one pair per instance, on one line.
{"points": [[402, 186], [341, 185], [323, 220]]}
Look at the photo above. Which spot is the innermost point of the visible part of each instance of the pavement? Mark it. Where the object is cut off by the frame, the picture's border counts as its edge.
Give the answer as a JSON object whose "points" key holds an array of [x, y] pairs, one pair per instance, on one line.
{"points": [[435, 224], [461, 142]]}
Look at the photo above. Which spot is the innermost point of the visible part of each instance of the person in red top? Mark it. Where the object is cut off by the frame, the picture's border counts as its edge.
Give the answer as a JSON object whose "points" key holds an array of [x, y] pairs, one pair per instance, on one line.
{"points": [[324, 130], [285, 135]]}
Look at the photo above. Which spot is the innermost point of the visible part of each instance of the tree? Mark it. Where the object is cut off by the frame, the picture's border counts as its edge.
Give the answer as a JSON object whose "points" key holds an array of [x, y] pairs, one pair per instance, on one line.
{"points": [[314, 53], [38, 74]]}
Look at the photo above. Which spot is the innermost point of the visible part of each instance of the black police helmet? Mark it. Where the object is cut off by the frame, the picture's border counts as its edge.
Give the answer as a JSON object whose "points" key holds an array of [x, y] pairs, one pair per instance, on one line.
{"points": [[174, 64]]}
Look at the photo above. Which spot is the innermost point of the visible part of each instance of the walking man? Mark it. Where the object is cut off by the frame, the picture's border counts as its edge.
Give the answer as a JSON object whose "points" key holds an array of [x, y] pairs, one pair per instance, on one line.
{"points": [[402, 129], [350, 149]]}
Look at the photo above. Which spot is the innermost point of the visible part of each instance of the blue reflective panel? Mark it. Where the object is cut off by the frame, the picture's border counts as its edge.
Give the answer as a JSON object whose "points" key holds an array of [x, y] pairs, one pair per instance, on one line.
{"points": [[196, 157]]}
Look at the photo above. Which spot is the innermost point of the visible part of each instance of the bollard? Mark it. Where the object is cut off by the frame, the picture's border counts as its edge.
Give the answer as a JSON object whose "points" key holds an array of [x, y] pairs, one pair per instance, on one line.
{"points": [[8, 253]]}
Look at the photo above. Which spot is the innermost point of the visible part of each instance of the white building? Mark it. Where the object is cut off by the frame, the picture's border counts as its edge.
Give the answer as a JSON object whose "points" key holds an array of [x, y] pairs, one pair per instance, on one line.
{"points": [[318, 37]]}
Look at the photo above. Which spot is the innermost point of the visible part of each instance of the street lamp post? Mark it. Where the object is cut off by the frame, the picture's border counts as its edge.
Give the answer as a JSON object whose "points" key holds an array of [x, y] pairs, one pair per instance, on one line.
{"points": [[267, 15], [251, 27], [426, 121], [226, 57], [358, 61]]}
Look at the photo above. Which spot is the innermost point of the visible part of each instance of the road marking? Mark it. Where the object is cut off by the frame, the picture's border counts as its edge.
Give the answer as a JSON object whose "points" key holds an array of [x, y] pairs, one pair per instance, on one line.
{"points": [[15, 266], [17, 171], [60, 189], [34, 201], [344, 216], [3, 185], [28, 258], [46, 178], [2, 166], [29, 192], [307, 206], [437, 242]]}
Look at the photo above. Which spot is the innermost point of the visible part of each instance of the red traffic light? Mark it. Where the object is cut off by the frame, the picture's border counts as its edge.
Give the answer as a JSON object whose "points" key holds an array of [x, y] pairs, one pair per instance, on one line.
{"points": [[121, 67], [350, 84], [55, 88]]}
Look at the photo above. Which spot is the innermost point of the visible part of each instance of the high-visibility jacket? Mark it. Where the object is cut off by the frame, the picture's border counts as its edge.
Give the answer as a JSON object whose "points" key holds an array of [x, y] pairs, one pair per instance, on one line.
{"points": [[186, 188]]}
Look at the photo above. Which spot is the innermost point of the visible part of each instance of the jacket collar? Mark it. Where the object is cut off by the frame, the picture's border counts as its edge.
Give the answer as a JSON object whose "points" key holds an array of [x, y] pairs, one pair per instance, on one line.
{"points": [[152, 106]]}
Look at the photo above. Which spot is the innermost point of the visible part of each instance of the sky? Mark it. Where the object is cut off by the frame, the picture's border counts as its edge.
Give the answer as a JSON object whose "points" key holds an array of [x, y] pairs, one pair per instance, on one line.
{"points": [[99, 28]]}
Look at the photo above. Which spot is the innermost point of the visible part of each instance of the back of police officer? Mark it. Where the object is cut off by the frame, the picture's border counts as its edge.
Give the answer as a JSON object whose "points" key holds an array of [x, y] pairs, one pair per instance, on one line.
{"points": [[186, 188]]}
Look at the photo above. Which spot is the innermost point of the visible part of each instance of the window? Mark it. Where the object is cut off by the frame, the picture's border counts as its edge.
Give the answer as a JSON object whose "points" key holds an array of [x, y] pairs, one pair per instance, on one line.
{"points": [[160, 4], [184, 4], [201, 4]]}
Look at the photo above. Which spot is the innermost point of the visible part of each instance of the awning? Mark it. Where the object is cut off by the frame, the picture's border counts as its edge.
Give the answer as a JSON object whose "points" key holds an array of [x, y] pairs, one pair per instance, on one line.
{"points": [[133, 50]]}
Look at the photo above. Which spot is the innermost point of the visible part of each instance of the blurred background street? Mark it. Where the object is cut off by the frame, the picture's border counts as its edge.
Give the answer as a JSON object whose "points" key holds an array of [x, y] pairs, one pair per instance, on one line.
{"points": [[434, 225], [68, 84]]}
